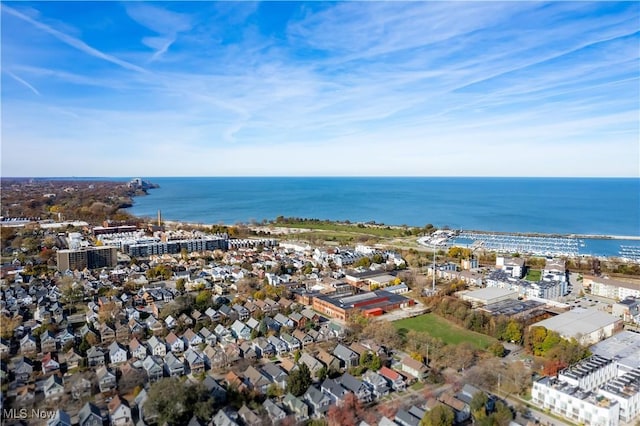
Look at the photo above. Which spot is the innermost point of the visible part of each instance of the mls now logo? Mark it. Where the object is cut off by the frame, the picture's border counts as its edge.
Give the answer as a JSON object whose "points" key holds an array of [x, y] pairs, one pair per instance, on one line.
{"points": [[23, 413]]}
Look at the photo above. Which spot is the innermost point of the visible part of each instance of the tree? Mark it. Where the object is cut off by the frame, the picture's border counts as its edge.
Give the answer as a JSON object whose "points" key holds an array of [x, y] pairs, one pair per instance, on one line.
{"points": [[440, 415], [203, 300], [299, 380], [497, 349], [176, 401], [180, 284], [513, 333], [322, 373]]}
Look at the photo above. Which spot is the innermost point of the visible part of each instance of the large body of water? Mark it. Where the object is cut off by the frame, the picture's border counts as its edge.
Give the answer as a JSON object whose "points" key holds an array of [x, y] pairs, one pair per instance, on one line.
{"points": [[541, 205]]}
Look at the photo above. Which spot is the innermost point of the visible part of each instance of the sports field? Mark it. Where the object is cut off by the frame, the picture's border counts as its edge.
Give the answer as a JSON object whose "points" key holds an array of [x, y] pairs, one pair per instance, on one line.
{"points": [[447, 331]]}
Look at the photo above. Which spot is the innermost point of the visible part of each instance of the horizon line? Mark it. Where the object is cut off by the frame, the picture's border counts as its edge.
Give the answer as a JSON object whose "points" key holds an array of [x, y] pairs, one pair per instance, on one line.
{"points": [[320, 176]]}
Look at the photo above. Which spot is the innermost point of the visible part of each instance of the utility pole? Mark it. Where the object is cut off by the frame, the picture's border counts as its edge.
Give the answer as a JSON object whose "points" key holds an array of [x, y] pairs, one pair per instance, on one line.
{"points": [[433, 285]]}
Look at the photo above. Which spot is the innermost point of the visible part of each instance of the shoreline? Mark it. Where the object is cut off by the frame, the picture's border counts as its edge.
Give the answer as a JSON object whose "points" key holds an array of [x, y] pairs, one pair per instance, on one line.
{"points": [[293, 230]]}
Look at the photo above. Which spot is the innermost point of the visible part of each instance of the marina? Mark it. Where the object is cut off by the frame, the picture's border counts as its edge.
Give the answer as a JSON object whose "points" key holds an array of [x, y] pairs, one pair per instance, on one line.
{"points": [[626, 248]]}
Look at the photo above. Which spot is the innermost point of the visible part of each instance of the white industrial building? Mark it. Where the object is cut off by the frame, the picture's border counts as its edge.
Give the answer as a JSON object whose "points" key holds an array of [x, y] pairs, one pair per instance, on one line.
{"points": [[587, 326], [489, 295]]}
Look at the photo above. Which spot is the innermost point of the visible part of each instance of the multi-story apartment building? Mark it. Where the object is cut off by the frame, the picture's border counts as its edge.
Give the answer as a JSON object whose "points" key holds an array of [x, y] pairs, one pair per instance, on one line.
{"points": [[89, 257]]}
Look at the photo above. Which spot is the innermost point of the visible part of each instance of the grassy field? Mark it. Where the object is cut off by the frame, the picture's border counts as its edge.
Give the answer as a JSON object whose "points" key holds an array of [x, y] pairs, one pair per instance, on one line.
{"points": [[533, 275], [378, 231], [447, 331]]}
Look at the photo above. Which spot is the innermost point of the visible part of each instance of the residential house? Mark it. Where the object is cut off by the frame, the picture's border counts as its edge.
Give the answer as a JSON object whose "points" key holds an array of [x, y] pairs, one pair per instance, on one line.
{"points": [[170, 322], [253, 323], [216, 391], [318, 401], [225, 417], [279, 345], [312, 316], [194, 361], [137, 329], [243, 313], [212, 314], [214, 357], [226, 311], [90, 415], [208, 336], [274, 411], [106, 379], [293, 344], [79, 385], [297, 407], [334, 390], [107, 334], [28, 345], [123, 333], [49, 364], [263, 347], [137, 349], [65, 337], [248, 352], [405, 418], [185, 320], [234, 381], [232, 352], [60, 418], [257, 380], [288, 365], [117, 354], [192, 338], [283, 320], [197, 316], [312, 363], [414, 367], [276, 374], [376, 382], [303, 337], [299, 320], [331, 362], [393, 378], [360, 389], [249, 418], [240, 330], [48, 342], [72, 359], [153, 365], [95, 357], [119, 412], [22, 369], [155, 326], [53, 387], [461, 409], [157, 346], [273, 305], [173, 366], [176, 344], [347, 357]]}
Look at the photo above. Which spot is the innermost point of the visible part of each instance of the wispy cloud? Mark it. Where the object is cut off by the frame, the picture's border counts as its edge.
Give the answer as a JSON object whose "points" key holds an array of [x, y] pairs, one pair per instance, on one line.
{"points": [[72, 41], [161, 21], [23, 82], [339, 88]]}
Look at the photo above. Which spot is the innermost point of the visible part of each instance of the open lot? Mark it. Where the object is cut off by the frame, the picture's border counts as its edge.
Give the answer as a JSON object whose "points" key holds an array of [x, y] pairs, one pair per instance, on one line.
{"points": [[447, 331]]}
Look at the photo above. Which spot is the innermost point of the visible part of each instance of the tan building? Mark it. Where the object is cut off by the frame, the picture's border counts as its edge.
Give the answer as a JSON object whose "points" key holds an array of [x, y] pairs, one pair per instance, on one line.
{"points": [[90, 258]]}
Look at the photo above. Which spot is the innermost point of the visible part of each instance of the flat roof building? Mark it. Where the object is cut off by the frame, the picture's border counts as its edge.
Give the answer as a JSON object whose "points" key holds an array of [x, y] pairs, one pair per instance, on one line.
{"points": [[89, 258], [489, 295], [587, 326]]}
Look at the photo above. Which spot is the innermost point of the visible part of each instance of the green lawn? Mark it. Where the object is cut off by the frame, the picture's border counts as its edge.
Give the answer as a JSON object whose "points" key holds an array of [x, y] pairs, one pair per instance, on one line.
{"points": [[378, 231], [447, 331], [533, 275]]}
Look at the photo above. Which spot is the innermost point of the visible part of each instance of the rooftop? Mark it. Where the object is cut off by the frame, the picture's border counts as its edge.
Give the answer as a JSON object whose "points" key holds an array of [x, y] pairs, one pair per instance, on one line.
{"points": [[624, 347], [578, 322]]}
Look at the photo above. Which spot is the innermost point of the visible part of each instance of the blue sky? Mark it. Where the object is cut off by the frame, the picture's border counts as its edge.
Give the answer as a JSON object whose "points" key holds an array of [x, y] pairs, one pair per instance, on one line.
{"points": [[306, 89]]}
